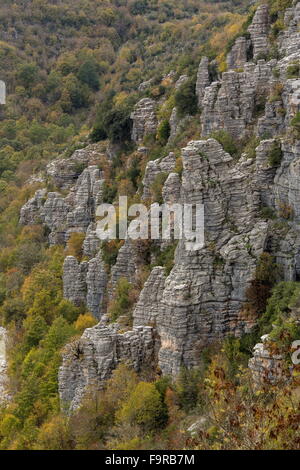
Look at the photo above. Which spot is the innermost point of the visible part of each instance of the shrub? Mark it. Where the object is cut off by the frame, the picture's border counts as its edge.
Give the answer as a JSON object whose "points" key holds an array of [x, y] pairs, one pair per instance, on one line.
{"points": [[75, 243], [186, 99], [276, 92], [250, 147], [275, 154], [110, 251], [295, 123], [113, 122], [259, 290], [156, 187], [285, 210], [267, 213], [260, 104], [227, 142], [163, 132], [85, 321], [166, 258], [121, 304], [293, 70]]}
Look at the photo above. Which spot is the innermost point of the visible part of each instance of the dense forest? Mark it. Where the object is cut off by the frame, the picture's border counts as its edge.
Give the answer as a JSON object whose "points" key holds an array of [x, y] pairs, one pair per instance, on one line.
{"points": [[73, 71]]}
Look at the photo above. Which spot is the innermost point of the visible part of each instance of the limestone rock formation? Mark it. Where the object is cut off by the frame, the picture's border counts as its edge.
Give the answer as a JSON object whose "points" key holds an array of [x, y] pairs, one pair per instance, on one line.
{"points": [[266, 368], [65, 171], [181, 80], [126, 266], [203, 298], [290, 37], [144, 119], [91, 244], [89, 362], [203, 79], [4, 395], [237, 57], [64, 215], [74, 280], [233, 103], [259, 32], [30, 212], [154, 168], [85, 283]]}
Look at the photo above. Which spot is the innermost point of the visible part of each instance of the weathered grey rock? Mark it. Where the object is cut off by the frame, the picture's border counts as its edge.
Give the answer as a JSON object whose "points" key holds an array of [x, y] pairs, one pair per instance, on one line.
{"points": [[148, 306], [258, 30], [91, 244], [144, 85], [289, 40], [237, 57], [64, 215], [89, 362], [65, 171], [4, 381], [232, 103], [126, 266], [203, 79], [85, 283], [181, 80], [30, 212], [74, 280], [172, 189], [154, 168], [287, 181], [144, 119], [96, 282], [266, 368]]}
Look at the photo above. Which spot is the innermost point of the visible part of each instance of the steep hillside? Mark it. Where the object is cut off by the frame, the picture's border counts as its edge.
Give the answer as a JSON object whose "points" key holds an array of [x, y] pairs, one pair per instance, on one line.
{"points": [[146, 344]]}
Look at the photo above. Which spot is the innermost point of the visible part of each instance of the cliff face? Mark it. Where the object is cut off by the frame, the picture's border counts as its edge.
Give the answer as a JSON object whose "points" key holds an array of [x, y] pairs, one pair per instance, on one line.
{"points": [[4, 395], [203, 298]]}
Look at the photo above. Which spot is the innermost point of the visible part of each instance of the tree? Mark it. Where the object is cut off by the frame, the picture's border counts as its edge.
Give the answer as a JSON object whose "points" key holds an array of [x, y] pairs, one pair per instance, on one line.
{"points": [[144, 407], [85, 321], [88, 74], [163, 132], [186, 99], [28, 75]]}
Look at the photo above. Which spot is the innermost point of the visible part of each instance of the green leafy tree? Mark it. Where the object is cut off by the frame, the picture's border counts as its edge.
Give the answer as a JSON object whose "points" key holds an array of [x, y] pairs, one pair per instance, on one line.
{"points": [[144, 407]]}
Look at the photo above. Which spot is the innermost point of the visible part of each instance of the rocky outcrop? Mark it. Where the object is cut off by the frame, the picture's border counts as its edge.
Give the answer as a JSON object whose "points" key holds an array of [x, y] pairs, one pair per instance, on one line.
{"points": [[233, 103], [30, 212], [203, 79], [172, 189], [259, 32], [65, 171], [144, 119], [89, 362], [177, 124], [203, 298], [181, 80], [74, 280], [96, 283], [238, 55], [126, 266], [85, 283], [91, 244], [155, 168], [266, 367], [64, 215], [289, 40], [4, 394]]}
